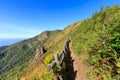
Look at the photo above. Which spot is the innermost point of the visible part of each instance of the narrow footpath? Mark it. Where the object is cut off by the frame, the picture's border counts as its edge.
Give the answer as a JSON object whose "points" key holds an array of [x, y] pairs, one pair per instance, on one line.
{"points": [[78, 65]]}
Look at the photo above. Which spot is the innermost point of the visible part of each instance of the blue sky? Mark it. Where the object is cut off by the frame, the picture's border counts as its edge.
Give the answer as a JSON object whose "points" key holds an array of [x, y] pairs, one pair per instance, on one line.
{"points": [[27, 18]]}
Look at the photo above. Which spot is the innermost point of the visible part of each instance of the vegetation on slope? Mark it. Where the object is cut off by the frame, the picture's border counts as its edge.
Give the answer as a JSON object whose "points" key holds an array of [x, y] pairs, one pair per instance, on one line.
{"points": [[100, 38], [1, 49], [54, 45], [17, 56], [97, 38]]}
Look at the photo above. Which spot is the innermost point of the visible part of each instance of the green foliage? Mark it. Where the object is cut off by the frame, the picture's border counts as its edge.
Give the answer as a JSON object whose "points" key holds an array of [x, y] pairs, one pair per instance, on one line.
{"points": [[15, 58], [91, 74], [23, 78], [49, 59], [118, 70], [55, 70], [93, 60], [118, 63], [106, 77], [45, 75], [100, 38]]}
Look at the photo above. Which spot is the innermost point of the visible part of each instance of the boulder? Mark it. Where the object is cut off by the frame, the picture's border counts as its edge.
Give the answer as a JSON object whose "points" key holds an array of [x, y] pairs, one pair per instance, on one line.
{"points": [[56, 56]]}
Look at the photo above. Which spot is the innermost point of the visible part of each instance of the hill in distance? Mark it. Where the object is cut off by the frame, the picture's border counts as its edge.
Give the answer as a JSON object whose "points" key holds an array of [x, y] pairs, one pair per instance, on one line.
{"points": [[6, 42], [96, 39]]}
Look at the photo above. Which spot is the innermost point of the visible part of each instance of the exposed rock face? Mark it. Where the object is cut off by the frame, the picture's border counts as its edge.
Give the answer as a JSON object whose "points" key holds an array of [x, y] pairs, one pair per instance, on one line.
{"points": [[51, 66], [42, 37], [59, 58], [30, 45], [62, 59], [39, 51], [56, 56]]}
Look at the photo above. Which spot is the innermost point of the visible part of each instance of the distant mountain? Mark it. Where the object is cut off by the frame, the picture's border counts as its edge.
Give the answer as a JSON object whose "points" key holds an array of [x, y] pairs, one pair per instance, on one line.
{"points": [[15, 58], [95, 40], [5, 42]]}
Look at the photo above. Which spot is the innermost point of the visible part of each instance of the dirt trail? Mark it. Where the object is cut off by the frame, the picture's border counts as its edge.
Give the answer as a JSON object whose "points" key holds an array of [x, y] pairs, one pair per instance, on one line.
{"points": [[78, 65]]}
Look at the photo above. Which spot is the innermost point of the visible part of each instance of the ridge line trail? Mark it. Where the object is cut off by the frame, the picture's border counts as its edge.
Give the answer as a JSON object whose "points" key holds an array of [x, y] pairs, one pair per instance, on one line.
{"points": [[78, 65]]}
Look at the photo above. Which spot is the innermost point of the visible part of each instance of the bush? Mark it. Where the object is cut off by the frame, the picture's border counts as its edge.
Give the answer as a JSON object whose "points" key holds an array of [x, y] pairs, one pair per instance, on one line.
{"points": [[49, 59]]}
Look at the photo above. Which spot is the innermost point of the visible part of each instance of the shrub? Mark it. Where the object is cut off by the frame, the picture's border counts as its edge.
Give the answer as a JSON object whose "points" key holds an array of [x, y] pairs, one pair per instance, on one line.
{"points": [[23, 78], [49, 59]]}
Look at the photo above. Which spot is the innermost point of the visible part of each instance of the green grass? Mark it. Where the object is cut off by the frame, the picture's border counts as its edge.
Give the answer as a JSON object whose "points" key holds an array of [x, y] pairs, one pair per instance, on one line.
{"points": [[97, 37], [18, 55]]}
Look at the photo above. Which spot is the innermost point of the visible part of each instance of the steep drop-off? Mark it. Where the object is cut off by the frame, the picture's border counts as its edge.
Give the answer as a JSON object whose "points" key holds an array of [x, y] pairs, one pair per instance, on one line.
{"points": [[96, 39], [16, 57]]}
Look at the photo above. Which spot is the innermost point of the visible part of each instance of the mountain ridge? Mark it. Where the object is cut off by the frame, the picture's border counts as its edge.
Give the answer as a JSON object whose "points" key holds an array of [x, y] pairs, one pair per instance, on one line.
{"points": [[97, 39], [13, 59]]}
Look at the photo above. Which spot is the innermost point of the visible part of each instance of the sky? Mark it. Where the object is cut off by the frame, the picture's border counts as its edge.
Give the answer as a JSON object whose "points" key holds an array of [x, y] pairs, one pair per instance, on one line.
{"points": [[27, 18]]}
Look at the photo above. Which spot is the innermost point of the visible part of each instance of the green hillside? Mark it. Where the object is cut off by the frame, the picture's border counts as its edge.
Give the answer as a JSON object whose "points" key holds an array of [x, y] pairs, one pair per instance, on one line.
{"points": [[99, 38], [96, 39], [17, 56]]}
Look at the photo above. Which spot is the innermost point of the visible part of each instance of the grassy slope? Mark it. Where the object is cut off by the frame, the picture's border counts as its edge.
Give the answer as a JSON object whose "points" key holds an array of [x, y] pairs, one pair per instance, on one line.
{"points": [[18, 55], [100, 38], [55, 45], [91, 38]]}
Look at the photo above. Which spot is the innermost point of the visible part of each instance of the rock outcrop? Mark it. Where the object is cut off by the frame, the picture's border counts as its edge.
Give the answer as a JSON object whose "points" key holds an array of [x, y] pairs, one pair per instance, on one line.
{"points": [[42, 37], [61, 59], [39, 52]]}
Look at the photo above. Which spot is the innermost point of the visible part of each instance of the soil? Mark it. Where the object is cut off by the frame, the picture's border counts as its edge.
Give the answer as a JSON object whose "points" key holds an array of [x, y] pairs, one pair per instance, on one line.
{"points": [[78, 65]]}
